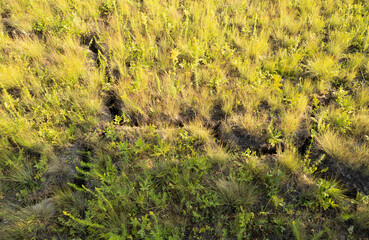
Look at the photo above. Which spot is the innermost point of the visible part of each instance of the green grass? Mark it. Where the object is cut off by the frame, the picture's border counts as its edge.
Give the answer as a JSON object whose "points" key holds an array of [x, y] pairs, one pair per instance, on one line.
{"points": [[184, 119]]}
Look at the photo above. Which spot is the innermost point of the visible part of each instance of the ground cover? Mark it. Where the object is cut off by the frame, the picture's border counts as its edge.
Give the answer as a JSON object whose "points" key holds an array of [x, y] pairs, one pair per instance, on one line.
{"points": [[184, 119]]}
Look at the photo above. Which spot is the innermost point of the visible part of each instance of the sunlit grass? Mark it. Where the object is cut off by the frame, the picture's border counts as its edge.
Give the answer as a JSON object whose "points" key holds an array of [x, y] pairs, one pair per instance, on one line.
{"points": [[183, 119], [345, 150]]}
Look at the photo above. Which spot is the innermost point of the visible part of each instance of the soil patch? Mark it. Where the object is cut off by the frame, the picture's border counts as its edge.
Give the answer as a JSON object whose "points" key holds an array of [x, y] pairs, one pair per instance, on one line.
{"points": [[240, 139]]}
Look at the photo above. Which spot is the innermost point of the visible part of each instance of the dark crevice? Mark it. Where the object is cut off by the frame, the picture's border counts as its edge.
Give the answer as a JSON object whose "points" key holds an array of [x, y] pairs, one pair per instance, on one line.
{"points": [[11, 29], [111, 73], [135, 119], [238, 137], [15, 92], [246, 141], [6, 13], [305, 146], [217, 131], [115, 73], [91, 40], [114, 104], [217, 113], [354, 48], [186, 115], [264, 105], [269, 149], [353, 180]]}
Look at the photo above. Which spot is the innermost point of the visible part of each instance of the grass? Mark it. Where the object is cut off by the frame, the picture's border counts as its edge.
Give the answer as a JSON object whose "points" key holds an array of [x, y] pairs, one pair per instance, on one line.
{"points": [[234, 194], [184, 119], [361, 217], [344, 150]]}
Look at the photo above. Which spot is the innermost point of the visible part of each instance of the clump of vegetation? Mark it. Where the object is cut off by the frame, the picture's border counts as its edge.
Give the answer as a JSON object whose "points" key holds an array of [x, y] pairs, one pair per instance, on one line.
{"points": [[184, 119]]}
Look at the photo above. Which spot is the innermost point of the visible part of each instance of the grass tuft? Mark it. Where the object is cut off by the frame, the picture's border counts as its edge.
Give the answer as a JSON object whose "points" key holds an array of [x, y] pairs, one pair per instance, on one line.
{"points": [[234, 194]]}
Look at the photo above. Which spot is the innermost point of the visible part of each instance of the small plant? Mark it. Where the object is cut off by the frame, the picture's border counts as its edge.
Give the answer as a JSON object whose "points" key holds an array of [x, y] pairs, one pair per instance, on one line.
{"points": [[107, 8], [329, 194], [39, 27], [344, 100], [243, 223], [110, 132], [320, 123], [298, 230], [275, 135], [312, 167]]}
